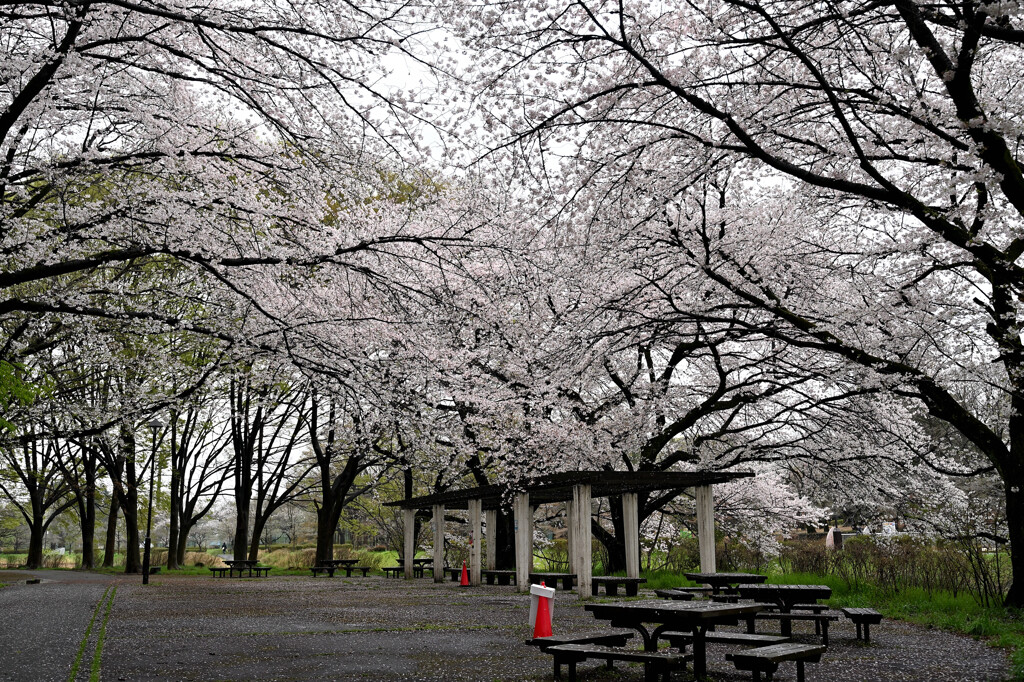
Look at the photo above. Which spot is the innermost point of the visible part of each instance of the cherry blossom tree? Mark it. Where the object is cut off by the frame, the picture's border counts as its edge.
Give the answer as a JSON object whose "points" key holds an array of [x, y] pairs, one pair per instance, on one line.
{"points": [[868, 176]]}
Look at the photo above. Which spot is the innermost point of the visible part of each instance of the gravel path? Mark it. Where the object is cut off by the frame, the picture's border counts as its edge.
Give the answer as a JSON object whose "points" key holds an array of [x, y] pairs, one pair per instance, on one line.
{"points": [[41, 626], [297, 628]]}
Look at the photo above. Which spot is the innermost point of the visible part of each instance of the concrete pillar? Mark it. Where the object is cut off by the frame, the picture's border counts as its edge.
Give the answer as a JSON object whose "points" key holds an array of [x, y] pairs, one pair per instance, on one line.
{"points": [[631, 530], [409, 521], [491, 519], [523, 515], [475, 539], [438, 543], [570, 548], [582, 538], [705, 528]]}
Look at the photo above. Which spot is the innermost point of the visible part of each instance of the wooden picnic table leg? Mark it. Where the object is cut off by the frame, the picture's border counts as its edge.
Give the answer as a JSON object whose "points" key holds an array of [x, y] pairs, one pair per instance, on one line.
{"points": [[700, 652]]}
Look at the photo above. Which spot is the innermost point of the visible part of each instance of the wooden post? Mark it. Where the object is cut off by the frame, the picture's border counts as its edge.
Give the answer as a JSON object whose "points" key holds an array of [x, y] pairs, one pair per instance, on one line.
{"points": [[475, 539], [438, 543], [582, 538], [523, 515], [705, 528], [491, 519], [409, 518], [631, 530]]}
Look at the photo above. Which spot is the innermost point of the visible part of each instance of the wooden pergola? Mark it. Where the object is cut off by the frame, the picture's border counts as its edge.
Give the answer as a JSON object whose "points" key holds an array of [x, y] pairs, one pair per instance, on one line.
{"points": [[577, 489]]}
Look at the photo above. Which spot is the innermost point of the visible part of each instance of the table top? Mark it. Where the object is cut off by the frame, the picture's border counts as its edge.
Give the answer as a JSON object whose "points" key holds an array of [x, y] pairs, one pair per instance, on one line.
{"points": [[240, 562], [785, 594], [726, 578], [663, 611]]}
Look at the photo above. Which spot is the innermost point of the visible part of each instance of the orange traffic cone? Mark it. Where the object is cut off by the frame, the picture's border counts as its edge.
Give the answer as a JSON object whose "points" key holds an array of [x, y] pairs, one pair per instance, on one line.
{"points": [[464, 582], [542, 627]]}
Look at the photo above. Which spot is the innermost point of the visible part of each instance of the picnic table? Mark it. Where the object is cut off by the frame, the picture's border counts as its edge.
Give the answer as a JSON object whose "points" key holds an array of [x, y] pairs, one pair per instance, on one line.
{"points": [[340, 562], [247, 565], [697, 617], [725, 581], [785, 597]]}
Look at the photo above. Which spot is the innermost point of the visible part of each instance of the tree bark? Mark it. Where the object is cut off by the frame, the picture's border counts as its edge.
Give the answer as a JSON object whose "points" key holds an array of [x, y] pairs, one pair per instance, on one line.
{"points": [[35, 542], [110, 548], [87, 522], [172, 540], [505, 552]]}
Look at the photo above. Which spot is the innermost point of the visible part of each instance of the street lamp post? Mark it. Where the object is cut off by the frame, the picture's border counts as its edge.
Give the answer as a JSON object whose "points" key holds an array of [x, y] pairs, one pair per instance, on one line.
{"points": [[154, 424]]}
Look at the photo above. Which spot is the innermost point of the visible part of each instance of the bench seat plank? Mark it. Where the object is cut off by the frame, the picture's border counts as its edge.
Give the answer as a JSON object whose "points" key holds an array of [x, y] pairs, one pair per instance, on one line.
{"points": [[820, 620], [678, 595], [681, 640], [654, 661], [611, 585], [766, 659], [865, 617]]}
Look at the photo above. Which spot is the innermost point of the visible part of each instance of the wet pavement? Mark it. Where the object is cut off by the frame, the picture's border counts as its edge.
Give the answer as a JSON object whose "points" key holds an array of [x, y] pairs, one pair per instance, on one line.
{"points": [[301, 628]]}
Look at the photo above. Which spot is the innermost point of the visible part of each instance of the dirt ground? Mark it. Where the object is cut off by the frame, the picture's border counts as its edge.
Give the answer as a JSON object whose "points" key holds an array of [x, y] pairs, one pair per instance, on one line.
{"points": [[298, 628]]}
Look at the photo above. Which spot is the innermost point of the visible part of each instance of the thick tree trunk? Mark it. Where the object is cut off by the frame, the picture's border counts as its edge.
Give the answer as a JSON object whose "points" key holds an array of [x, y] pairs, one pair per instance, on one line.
{"points": [[133, 558], [1014, 489], [181, 546], [326, 522], [110, 548], [505, 552], [254, 544], [35, 542], [172, 540], [88, 527], [240, 548]]}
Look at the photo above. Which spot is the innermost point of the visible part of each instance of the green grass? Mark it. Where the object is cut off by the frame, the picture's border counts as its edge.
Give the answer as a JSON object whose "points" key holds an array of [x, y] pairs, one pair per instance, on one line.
{"points": [[998, 626], [97, 658]]}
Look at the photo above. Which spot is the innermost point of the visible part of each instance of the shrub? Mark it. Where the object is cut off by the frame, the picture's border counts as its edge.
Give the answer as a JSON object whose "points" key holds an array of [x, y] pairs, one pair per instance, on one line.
{"points": [[683, 556]]}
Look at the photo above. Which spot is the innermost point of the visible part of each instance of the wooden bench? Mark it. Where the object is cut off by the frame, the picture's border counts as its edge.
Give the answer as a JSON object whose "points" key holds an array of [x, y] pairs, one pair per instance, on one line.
{"points": [[349, 569], [814, 608], [551, 579], [678, 595], [399, 571], [695, 590], [153, 570], [865, 617], [681, 640], [602, 638], [611, 585], [655, 662], [820, 620], [503, 577], [262, 571], [766, 659], [317, 570], [455, 573], [221, 572]]}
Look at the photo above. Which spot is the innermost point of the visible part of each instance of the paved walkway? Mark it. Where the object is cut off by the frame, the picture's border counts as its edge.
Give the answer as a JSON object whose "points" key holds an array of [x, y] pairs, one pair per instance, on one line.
{"points": [[42, 626], [301, 628]]}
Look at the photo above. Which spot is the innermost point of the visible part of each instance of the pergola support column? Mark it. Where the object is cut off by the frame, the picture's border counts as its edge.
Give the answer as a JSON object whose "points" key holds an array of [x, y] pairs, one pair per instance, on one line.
{"points": [[475, 539], [524, 540], [631, 531], [438, 543], [491, 519], [570, 548], [581, 534], [409, 523], [705, 528]]}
